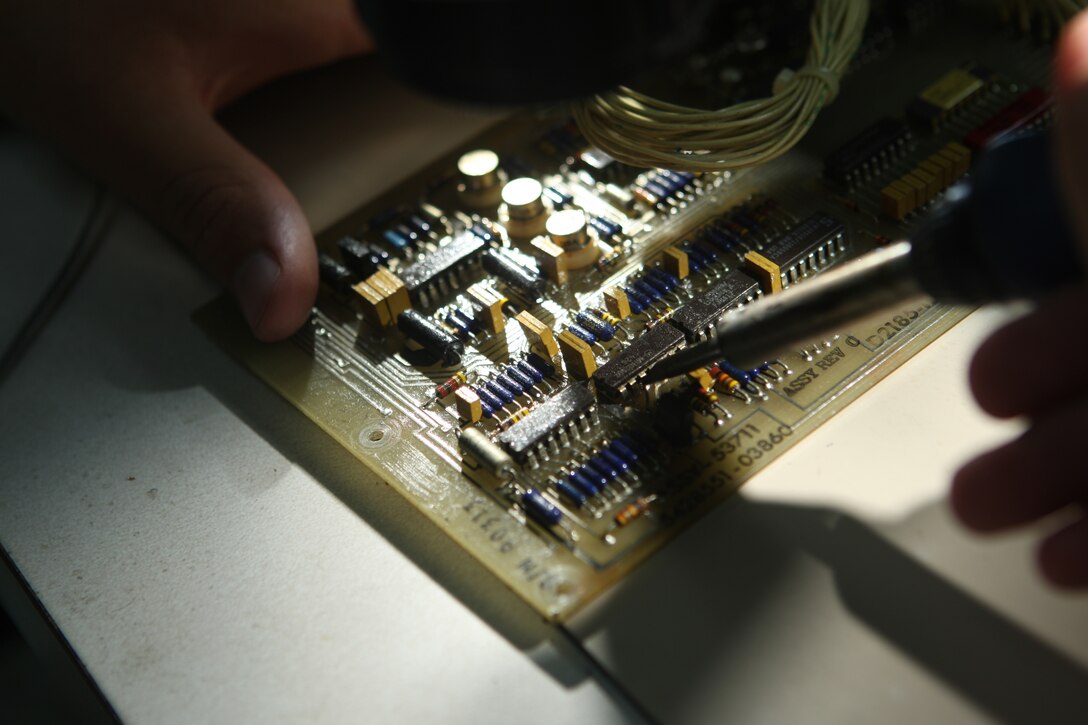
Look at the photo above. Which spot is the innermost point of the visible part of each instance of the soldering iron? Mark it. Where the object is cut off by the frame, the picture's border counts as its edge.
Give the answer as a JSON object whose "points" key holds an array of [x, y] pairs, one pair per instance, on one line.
{"points": [[1003, 234]]}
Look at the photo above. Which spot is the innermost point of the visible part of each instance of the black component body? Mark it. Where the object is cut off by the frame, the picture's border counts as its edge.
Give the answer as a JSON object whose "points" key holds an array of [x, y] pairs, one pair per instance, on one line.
{"points": [[696, 317], [535, 428], [653, 345], [528, 280], [431, 336], [362, 258], [338, 277], [803, 241], [867, 152], [459, 252]]}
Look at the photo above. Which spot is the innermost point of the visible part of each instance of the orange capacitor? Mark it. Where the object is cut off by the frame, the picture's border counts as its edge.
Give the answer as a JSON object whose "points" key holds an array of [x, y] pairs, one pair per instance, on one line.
{"points": [[448, 388], [633, 510]]}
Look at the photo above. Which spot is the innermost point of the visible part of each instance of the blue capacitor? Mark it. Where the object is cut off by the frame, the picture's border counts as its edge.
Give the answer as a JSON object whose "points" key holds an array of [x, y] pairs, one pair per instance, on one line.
{"points": [[668, 280], [661, 192], [481, 232], [586, 482], [582, 333], [601, 469], [603, 329], [404, 229], [421, 225], [706, 250], [500, 391], [558, 197], [510, 383], [487, 398], [525, 381], [606, 228], [745, 220], [675, 178], [638, 301], [540, 508], [463, 330], [658, 288], [613, 460], [647, 290], [626, 448], [672, 183], [397, 239], [488, 410], [540, 364], [571, 493], [466, 320], [526, 369], [734, 372], [719, 239], [696, 261]]}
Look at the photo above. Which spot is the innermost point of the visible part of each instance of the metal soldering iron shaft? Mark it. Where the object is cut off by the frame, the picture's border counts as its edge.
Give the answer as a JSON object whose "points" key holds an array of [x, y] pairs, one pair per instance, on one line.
{"points": [[804, 312]]}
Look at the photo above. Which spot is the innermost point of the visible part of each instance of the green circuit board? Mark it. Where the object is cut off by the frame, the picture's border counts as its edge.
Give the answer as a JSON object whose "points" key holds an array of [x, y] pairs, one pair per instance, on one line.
{"points": [[480, 340]]}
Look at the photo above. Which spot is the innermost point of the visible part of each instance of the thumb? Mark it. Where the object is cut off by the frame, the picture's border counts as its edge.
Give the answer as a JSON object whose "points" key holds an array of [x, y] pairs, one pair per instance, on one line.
{"points": [[233, 214], [1071, 121]]}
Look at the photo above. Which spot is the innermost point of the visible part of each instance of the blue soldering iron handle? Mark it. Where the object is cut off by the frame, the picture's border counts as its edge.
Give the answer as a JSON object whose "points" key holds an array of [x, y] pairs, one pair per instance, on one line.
{"points": [[1002, 234]]}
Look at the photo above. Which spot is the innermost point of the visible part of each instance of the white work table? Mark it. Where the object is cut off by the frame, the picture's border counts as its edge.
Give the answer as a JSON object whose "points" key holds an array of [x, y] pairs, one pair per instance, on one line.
{"points": [[209, 555]]}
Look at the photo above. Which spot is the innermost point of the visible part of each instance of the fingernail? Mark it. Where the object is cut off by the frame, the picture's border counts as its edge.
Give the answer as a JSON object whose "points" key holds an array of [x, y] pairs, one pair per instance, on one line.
{"points": [[254, 280]]}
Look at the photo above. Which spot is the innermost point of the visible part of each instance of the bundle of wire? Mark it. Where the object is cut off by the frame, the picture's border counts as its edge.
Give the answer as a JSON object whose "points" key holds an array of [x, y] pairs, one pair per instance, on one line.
{"points": [[645, 132]]}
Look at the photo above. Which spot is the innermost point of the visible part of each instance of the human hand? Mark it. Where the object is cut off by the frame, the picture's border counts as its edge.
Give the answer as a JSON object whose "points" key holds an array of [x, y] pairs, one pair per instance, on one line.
{"points": [[1043, 470], [128, 89]]}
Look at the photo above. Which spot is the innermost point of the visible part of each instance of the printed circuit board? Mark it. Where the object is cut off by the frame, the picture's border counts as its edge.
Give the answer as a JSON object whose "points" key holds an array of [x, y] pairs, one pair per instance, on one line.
{"points": [[483, 329]]}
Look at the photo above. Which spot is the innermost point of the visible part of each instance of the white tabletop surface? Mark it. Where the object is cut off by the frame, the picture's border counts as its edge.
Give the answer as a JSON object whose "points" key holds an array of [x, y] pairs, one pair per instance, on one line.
{"points": [[210, 556]]}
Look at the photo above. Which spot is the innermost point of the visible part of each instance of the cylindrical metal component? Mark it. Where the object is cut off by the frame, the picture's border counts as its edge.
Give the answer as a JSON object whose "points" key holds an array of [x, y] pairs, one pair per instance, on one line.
{"points": [[567, 228], [523, 198], [479, 169], [487, 453]]}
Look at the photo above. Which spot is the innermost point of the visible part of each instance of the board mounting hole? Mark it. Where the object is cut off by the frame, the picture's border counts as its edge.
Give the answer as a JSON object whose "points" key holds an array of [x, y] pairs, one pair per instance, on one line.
{"points": [[378, 436]]}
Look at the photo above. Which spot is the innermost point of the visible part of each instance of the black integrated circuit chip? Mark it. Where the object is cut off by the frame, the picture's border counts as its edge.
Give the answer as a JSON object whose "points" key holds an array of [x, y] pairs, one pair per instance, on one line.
{"points": [[696, 317], [867, 152], [460, 251], [808, 247], [624, 369], [545, 420]]}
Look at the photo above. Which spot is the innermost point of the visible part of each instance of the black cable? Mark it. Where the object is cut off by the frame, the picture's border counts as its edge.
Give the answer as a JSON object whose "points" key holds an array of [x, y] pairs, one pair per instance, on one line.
{"points": [[90, 236]]}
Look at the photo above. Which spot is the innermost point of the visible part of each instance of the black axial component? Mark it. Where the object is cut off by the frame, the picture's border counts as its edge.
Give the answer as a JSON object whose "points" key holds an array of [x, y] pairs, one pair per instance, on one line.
{"points": [[431, 336], [527, 279]]}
